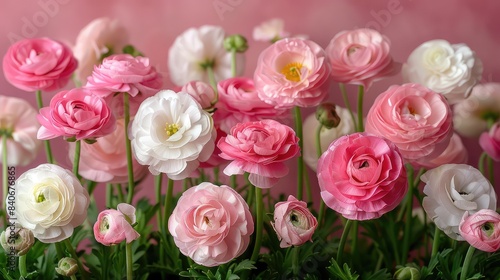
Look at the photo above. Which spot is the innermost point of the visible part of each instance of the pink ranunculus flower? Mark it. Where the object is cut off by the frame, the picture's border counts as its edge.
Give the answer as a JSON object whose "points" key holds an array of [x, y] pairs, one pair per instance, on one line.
{"points": [[453, 189], [239, 103], [106, 159], [38, 64], [76, 114], [362, 176], [360, 57], [454, 153], [261, 149], [416, 119], [490, 142], [292, 72], [18, 123], [211, 224], [201, 92], [102, 36], [115, 226], [293, 222], [481, 230]]}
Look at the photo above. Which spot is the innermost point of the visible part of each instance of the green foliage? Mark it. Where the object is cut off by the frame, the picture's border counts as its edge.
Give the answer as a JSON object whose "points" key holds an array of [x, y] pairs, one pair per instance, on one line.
{"points": [[229, 271]]}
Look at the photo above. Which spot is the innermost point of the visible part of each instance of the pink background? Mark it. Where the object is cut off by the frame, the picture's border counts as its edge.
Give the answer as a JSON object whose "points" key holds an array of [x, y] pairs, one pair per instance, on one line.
{"points": [[153, 25]]}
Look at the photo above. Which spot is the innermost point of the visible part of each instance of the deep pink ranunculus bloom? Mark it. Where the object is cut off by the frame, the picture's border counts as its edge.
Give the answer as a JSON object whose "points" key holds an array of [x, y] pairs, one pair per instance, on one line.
{"points": [[39, 64], [360, 57], [115, 226], [211, 224], [75, 114], [490, 142], [261, 149], [293, 72], [416, 119], [362, 176], [481, 230]]}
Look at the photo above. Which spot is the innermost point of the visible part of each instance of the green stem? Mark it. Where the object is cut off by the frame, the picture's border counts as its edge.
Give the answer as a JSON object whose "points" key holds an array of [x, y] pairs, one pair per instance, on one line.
{"points": [[466, 265], [480, 164], [76, 160], [343, 240], [233, 62], [435, 242], [346, 102], [59, 250], [185, 185], [216, 174], [128, 256], [295, 260], [5, 176], [212, 81], [361, 91], [354, 241], [128, 146], [72, 251], [120, 192], [168, 202], [408, 219], [491, 173], [48, 150], [259, 223], [22, 266], [234, 181], [319, 152], [300, 160], [158, 181], [72, 277], [109, 195]]}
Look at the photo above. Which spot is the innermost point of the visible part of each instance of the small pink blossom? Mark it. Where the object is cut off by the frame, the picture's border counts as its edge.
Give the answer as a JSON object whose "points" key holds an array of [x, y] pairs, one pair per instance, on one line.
{"points": [[490, 142], [360, 57], [293, 72], [115, 226], [259, 148], [211, 224], [38, 64], [75, 114], [293, 222], [481, 230], [362, 176], [454, 153], [201, 92]]}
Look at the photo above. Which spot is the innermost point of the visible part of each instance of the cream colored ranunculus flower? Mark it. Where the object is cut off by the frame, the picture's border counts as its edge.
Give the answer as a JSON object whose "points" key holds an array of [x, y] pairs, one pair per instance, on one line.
{"points": [[51, 202], [449, 69]]}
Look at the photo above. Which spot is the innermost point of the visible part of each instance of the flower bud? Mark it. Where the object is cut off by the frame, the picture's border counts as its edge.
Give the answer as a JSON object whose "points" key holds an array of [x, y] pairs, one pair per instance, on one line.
{"points": [[67, 267], [17, 239], [236, 42], [327, 115], [407, 273]]}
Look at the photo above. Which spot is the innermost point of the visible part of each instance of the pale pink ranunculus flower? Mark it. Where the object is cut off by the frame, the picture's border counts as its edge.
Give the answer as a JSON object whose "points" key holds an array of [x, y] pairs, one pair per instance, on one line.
{"points": [[76, 114], [416, 119], [239, 102], [361, 57], [453, 189], [202, 92], [261, 149], [362, 176], [472, 115], [115, 226], [448, 69], [39, 64], [270, 31], [481, 230], [18, 123], [293, 222], [106, 159], [292, 72], [454, 153], [490, 142], [211, 224], [101, 37], [196, 48]]}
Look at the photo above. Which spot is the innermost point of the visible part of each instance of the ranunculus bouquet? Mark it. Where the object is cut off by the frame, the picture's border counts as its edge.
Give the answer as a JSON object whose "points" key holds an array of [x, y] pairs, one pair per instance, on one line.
{"points": [[236, 167]]}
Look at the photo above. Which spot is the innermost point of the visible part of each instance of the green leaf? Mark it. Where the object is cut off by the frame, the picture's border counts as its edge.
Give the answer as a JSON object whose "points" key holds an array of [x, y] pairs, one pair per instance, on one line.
{"points": [[341, 273]]}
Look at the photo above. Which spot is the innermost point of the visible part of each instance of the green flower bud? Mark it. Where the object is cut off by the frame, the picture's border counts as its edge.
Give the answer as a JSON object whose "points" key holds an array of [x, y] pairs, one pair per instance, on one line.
{"points": [[407, 273], [67, 267], [327, 115], [236, 42], [17, 239]]}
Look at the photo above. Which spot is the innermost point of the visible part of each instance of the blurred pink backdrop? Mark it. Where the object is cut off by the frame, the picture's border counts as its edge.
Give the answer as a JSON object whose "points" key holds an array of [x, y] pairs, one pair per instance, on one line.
{"points": [[153, 25]]}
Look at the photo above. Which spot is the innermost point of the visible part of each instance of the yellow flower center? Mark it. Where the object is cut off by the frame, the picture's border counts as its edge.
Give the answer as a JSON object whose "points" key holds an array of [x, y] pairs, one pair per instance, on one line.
{"points": [[104, 226], [40, 198], [171, 129], [292, 71]]}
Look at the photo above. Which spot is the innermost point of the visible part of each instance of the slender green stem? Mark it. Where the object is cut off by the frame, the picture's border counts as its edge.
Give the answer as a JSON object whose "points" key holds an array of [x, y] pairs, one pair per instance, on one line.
{"points": [[128, 146], [416, 180], [408, 219], [491, 172], [259, 223], [76, 160], [466, 265], [72, 251], [109, 195], [234, 181], [59, 250], [158, 181], [22, 266], [5, 176], [72, 277], [48, 150], [120, 192], [128, 256], [213, 82], [300, 160], [361, 91], [435, 242], [233, 62], [295, 260], [168, 203], [185, 185], [319, 152], [480, 164], [216, 174], [347, 103], [307, 183], [343, 240]]}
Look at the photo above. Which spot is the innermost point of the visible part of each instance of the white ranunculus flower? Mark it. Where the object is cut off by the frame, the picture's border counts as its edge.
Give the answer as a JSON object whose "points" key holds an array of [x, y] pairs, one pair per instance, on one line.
{"points": [[197, 47], [310, 126], [453, 189], [470, 116], [451, 70], [171, 134], [51, 202], [18, 122], [270, 30]]}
